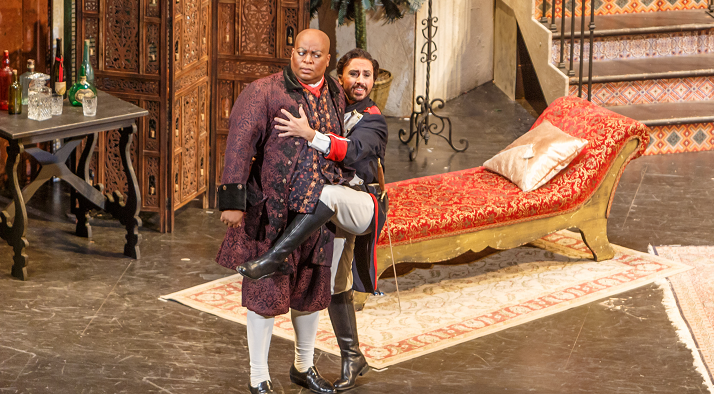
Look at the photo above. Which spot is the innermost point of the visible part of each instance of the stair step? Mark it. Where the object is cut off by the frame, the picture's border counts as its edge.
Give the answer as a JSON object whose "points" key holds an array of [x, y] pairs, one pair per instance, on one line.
{"points": [[686, 43], [641, 23], [647, 68], [671, 90], [661, 114], [611, 7]]}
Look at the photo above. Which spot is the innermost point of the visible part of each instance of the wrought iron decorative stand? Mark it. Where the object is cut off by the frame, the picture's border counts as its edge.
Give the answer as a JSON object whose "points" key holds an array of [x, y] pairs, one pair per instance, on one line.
{"points": [[420, 122]]}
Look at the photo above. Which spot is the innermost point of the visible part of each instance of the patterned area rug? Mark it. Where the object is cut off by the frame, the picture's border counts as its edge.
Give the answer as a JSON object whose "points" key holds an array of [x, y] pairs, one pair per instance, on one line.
{"points": [[694, 293], [448, 305]]}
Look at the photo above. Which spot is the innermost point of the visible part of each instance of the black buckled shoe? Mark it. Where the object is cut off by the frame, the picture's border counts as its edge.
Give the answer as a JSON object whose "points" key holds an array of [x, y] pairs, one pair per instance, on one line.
{"points": [[265, 387], [344, 323], [311, 380], [297, 232]]}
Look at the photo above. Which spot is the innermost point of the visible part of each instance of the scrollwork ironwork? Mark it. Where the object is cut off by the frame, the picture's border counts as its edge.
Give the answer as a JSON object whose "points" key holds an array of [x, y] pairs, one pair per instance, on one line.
{"points": [[421, 124]]}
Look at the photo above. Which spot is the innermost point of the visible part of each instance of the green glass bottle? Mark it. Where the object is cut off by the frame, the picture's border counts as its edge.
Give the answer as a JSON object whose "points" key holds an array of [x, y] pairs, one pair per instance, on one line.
{"points": [[15, 96], [80, 90], [84, 87], [86, 64]]}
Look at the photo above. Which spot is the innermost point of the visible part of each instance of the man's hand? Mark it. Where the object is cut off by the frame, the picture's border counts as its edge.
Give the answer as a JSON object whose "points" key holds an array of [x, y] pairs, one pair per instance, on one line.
{"points": [[232, 218], [295, 127]]}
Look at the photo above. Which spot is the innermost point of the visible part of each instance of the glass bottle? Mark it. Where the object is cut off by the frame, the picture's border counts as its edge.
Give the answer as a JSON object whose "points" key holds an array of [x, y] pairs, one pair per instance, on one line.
{"points": [[59, 76], [80, 90], [84, 87], [14, 96], [40, 104], [5, 80], [87, 65], [25, 81]]}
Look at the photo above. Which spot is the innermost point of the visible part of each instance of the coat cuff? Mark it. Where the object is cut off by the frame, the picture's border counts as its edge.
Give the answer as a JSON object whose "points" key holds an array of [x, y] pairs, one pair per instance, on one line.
{"points": [[338, 148], [321, 142], [231, 197]]}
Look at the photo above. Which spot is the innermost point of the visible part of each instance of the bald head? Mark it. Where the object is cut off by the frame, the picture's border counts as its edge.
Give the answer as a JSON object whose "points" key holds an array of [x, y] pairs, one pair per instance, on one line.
{"points": [[314, 35], [310, 56]]}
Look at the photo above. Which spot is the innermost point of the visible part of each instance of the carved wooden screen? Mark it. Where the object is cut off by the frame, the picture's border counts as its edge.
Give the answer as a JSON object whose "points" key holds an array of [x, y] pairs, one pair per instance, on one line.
{"points": [[160, 63], [254, 39]]}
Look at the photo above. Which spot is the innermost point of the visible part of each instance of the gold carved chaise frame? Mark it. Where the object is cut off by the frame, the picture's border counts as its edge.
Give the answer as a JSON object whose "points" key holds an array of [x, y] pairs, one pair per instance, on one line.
{"points": [[590, 218]]}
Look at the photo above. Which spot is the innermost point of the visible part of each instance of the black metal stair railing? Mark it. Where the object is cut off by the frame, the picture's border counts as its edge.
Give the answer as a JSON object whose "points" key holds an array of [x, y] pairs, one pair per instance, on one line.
{"points": [[569, 67]]}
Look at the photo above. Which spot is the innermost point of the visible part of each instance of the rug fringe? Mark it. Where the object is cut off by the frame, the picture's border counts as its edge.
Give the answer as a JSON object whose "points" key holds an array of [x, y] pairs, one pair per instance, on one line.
{"points": [[680, 326]]}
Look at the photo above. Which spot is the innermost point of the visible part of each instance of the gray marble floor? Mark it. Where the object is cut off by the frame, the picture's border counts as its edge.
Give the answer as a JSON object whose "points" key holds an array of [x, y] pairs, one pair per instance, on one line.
{"points": [[90, 321]]}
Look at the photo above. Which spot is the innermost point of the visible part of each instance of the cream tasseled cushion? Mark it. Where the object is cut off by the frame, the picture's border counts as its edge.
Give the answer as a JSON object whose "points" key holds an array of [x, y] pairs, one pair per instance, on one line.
{"points": [[536, 157]]}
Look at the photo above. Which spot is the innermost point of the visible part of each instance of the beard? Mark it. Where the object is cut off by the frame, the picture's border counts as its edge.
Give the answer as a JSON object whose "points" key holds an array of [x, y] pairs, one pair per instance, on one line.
{"points": [[358, 96]]}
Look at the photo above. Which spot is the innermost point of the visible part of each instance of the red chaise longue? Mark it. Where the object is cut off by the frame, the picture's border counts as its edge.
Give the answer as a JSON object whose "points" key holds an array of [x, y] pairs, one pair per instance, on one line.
{"points": [[436, 218]]}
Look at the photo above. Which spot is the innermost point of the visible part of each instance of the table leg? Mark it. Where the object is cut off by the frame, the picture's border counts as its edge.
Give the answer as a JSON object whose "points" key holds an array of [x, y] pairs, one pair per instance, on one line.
{"points": [[81, 207], [128, 211], [14, 233]]}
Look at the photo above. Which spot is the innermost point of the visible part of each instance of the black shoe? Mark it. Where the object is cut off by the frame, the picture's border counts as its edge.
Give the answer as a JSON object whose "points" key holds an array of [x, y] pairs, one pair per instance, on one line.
{"points": [[297, 232], [344, 323], [311, 380], [265, 387]]}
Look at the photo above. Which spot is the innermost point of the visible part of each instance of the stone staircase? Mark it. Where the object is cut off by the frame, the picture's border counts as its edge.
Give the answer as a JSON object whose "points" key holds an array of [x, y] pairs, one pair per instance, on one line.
{"points": [[653, 61]]}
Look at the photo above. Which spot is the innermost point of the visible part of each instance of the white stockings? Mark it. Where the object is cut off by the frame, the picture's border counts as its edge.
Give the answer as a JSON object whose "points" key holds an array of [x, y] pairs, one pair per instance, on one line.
{"points": [[260, 330]]}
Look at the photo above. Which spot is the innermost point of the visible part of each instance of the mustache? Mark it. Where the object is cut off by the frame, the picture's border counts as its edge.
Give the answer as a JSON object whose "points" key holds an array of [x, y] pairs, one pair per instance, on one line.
{"points": [[359, 85]]}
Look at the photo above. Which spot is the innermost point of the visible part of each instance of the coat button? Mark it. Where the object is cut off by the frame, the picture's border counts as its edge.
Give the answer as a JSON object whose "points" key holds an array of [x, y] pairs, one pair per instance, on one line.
{"points": [[285, 180], [280, 215], [290, 162], [281, 200], [297, 142], [224, 187], [240, 187]]}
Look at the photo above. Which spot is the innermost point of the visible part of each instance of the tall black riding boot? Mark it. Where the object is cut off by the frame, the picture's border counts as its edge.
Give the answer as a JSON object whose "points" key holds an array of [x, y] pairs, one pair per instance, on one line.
{"points": [[297, 232], [344, 322]]}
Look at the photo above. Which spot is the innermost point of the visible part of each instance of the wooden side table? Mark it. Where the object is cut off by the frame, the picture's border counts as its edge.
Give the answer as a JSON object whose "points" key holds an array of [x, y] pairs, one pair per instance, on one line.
{"points": [[73, 127]]}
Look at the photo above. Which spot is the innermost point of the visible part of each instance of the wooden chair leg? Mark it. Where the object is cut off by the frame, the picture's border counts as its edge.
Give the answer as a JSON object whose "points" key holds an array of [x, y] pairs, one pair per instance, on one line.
{"points": [[594, 234]]}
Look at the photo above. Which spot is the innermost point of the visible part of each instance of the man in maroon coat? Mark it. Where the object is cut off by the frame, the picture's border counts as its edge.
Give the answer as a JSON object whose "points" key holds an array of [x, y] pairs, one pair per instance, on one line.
{"points": [[269, 182]]}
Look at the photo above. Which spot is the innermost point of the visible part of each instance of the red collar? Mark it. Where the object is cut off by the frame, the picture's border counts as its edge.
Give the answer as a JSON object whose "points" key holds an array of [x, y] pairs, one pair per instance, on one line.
{"points": [[316, 90]]}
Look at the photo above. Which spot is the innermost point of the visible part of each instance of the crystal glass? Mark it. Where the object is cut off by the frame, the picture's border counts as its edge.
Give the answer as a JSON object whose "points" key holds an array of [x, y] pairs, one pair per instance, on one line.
{"points": [[57, 102], [40, 100], [89, 106]]}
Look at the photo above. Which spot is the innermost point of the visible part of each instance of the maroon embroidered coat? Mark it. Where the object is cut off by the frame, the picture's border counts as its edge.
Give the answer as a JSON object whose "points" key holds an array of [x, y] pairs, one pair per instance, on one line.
{"points": [[262, 188]]}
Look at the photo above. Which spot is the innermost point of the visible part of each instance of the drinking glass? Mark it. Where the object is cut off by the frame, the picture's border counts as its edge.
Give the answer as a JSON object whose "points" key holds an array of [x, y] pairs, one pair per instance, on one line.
{"points": [[57, 102], [40, 100], [89, 106]]}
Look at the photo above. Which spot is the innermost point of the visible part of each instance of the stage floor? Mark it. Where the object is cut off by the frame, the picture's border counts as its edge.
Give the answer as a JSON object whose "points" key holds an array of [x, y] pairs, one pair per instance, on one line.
{"points": [[89, 320]]}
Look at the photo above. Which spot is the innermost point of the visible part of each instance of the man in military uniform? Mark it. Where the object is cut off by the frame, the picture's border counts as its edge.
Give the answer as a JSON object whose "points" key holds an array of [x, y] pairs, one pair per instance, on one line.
{"points": [[269, 198]]}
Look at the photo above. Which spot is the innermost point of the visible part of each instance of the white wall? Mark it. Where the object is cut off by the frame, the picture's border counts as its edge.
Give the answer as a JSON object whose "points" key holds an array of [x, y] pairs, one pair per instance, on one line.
{"points": [[464, 40], [393, 47], [464, 56]]}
